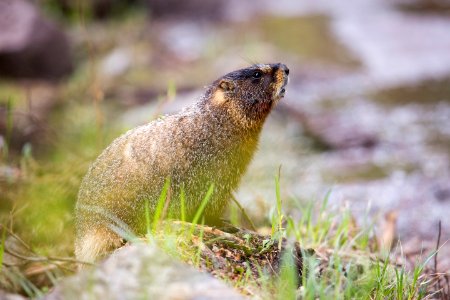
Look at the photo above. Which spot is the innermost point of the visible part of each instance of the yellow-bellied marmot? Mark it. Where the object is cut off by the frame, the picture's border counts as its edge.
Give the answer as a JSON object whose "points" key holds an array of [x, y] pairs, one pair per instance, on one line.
{"points": [[210, 142]]}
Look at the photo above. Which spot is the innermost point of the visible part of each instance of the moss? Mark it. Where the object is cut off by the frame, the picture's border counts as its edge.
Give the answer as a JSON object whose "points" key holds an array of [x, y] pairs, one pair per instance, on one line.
{"points": [[309, 37], [426, 92]]}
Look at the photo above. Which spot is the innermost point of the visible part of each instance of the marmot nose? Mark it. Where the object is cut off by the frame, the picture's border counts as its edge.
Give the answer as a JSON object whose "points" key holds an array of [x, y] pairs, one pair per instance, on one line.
{"points": [[283, 67]]}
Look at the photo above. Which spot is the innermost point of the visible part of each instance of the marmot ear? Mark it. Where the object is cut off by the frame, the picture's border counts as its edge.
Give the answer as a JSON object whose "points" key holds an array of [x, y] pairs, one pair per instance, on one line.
{"points": [[226, 85]]}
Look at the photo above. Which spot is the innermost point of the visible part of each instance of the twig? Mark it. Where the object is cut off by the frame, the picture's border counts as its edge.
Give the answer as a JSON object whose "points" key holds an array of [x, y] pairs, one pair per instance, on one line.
{"points": [[15, 236], [252, 225], [436, 254], [166, 204], [40, 269], [448, 283], [217, 261], [45, 259]]}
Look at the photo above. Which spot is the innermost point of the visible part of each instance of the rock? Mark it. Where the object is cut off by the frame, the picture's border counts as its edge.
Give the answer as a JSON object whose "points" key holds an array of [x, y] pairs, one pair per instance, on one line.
{"points": [[424, 6], [332, 132], [142, 271], [8, 174], [7, 296], [24, 116], [30, 45], [185, 40], [116, 63]]}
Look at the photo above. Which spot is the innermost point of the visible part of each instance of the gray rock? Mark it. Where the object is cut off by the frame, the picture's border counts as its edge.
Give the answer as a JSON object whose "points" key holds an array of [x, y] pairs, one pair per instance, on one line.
{"points": [[142, 271], [30, 45], [116, 63], [25, 123], [6, 296]]}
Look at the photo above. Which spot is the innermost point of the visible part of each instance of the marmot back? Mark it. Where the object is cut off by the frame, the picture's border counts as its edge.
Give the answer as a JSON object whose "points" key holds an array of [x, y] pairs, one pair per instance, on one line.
{"points": [[211, 142]]}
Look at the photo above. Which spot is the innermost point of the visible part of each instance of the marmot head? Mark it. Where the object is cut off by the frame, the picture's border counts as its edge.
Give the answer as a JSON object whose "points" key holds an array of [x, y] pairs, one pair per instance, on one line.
{"points": [[248, 95]]}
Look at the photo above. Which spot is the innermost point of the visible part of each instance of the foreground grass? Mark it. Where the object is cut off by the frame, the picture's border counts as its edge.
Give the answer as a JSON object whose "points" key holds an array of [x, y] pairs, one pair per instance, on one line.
{"points": [[339, 259]]}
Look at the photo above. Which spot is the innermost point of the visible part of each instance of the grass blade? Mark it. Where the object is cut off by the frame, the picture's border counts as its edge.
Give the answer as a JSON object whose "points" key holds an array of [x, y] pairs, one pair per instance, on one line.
{"points": [[203, 204], [160, 205], [183, 204]]}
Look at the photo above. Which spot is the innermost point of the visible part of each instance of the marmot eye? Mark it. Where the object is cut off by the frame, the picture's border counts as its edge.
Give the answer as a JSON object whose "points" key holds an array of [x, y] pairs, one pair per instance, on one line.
{"points": [[257, 74]]}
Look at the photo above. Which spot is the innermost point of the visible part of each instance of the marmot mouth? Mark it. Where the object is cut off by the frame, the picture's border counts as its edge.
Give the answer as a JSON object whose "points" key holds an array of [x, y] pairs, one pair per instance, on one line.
{"points": [[279, 94], [282, 90]]}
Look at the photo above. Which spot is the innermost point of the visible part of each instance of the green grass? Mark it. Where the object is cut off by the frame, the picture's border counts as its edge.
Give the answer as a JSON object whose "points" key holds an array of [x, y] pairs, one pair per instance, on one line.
{"points": [[2, 247], [351, 270], [288, 279], [160, 205], [201, 208], [342, 264], [277, 220]]}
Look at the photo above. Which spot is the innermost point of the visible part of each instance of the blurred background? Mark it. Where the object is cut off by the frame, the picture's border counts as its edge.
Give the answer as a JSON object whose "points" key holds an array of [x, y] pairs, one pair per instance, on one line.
{"points": [[366, 116]]}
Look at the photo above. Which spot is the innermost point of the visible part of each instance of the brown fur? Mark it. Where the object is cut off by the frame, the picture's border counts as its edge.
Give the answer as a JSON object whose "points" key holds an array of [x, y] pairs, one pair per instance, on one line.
{"points": [[211, 142]]}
